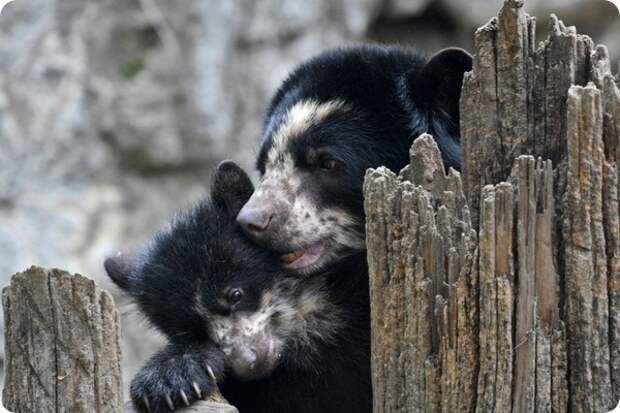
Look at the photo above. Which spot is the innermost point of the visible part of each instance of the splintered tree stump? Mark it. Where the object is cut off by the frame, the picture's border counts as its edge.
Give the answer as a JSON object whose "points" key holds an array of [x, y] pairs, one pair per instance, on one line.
{"points": [[423, 313], [62, 345], [499, 290]]}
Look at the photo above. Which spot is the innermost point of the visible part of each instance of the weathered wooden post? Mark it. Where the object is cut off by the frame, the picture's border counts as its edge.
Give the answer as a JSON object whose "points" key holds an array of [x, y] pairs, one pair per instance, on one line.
{"points": [[500, 290], [62, 348], [62, 345]]}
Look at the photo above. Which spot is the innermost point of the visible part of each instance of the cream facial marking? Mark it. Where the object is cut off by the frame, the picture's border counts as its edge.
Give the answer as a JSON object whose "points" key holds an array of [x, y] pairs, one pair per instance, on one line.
{"points": [[299, 118], [311, 233], [290, 315], [294, 314], [292, 221]]}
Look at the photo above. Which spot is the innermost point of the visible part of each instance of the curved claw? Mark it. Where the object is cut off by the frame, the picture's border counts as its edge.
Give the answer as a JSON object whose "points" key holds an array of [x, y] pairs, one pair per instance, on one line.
{"points": [[211, 374], [197, 389], [184, 397], [146, 403], [169, 402]]}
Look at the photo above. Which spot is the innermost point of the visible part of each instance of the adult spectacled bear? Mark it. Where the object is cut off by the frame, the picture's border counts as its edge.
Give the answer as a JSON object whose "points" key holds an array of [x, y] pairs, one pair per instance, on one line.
{"points": [[337, 115]]}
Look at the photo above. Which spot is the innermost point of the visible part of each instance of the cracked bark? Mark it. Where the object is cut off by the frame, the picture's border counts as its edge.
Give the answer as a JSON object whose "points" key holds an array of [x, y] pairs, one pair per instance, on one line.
{"points": [[532, 316], [62, 345]]}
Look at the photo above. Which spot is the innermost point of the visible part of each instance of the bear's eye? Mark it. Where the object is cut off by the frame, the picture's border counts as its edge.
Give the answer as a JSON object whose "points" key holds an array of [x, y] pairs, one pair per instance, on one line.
{"points": [[328, 164], [234, 296]]}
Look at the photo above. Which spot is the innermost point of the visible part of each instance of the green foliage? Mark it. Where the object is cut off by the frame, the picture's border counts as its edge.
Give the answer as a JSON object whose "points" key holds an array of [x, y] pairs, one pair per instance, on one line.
{"points": [[133, 68]]}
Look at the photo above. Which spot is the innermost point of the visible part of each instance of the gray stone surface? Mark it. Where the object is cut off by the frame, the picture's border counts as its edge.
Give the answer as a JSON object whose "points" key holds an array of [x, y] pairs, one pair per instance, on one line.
{"points": [[405, 8]]}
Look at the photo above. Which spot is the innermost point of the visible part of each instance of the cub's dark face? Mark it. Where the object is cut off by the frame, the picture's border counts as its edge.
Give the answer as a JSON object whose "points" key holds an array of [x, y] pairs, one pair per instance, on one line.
{"points": [[202, 280], [336, 116], [258, 330]]}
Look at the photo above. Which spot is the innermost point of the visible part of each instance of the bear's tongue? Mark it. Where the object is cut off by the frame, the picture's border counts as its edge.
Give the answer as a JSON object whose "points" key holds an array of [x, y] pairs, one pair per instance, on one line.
{"points": [[302, 258]]}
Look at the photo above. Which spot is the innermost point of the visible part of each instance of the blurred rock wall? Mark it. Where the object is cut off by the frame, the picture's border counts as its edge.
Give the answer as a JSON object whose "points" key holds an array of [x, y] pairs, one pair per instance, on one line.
{"points": [[113, 112]]}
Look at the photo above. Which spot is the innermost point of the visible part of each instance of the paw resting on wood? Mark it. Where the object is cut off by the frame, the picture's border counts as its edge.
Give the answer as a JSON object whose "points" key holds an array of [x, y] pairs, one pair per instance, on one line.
{"points": [[201, 406], [176, 377]]}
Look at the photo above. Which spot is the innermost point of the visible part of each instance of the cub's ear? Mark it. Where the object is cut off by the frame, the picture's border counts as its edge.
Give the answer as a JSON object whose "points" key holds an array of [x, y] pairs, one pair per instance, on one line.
{"points": [[440, 80], [118, 269], [231, 187]]}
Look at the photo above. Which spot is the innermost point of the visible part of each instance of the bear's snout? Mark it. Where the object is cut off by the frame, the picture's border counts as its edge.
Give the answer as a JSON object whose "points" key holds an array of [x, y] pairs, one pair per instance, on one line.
{"points": [[262, 217], [254, 220], [253, 358]]}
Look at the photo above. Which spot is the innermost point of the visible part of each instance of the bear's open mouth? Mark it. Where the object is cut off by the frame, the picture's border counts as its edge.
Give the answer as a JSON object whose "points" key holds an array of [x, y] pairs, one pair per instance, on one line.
{"points": [[302, 258]]}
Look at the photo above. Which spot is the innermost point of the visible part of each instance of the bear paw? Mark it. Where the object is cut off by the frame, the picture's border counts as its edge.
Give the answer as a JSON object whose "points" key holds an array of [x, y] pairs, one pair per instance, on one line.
{"points": [[169, 381]]}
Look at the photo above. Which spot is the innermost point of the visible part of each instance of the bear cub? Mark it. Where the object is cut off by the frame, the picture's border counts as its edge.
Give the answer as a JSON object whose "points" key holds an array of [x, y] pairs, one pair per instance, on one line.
{"points": [[233, 316]]}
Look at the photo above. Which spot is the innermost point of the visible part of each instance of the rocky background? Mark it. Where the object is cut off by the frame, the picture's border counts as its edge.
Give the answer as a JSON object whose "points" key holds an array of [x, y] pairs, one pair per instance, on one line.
{"points": [[113, 112]]}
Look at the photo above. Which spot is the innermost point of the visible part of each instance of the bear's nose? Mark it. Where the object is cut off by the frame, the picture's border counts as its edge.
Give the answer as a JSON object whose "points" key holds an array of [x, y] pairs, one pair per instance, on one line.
{"points": [[254, 220]]}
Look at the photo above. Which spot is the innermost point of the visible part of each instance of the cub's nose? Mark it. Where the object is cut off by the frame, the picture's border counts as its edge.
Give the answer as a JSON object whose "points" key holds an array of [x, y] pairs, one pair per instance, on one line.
{"points": [[254, 220]]}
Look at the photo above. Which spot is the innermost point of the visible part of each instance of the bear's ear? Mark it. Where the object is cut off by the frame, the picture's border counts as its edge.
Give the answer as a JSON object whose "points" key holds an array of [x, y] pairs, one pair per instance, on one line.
{"points": [[118, 269], [231, 187], [440, 80]]}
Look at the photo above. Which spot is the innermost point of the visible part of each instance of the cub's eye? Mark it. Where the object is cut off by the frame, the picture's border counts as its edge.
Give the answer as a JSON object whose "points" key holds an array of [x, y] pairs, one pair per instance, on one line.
{"points": [[234, 296], [328, 164]]}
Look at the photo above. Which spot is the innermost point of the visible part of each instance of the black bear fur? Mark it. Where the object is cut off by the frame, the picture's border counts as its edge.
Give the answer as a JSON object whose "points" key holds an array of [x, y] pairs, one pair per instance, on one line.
{"points": [[182, 282]]}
